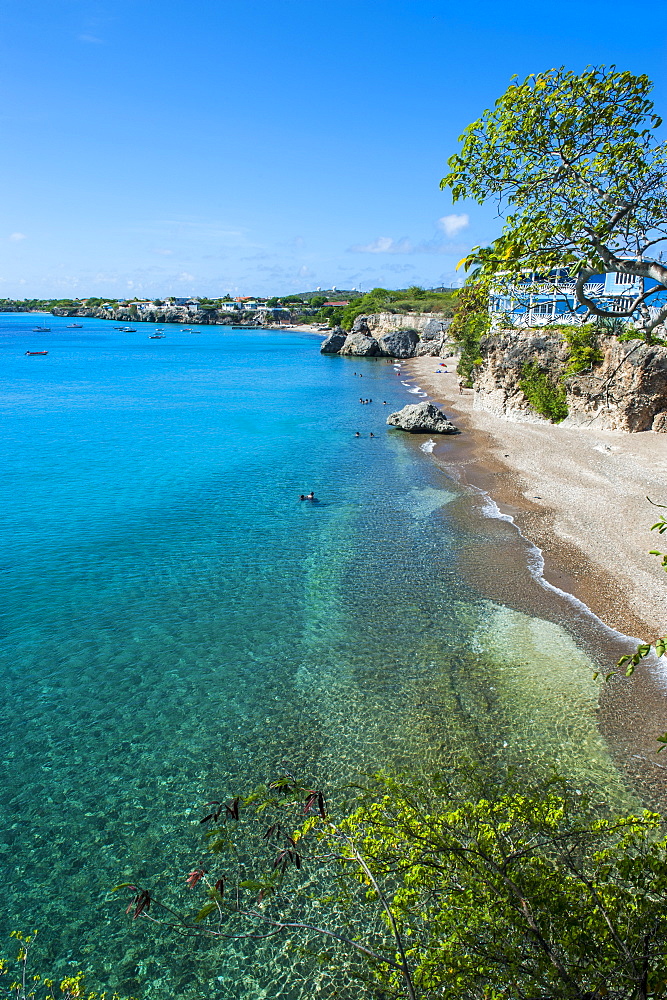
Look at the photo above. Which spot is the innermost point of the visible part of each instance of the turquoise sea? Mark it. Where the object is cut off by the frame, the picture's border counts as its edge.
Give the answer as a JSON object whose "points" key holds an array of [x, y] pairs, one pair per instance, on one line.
{"points": [[177, 625]]}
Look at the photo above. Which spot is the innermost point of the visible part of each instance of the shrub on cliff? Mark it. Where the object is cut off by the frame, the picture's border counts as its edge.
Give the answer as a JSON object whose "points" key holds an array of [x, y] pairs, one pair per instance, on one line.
{"points": [[546, 396], [584, 348]]}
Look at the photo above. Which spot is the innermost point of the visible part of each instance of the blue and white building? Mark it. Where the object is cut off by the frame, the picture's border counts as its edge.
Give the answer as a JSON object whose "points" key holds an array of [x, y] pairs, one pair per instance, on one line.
{"points": [[540, 303]]}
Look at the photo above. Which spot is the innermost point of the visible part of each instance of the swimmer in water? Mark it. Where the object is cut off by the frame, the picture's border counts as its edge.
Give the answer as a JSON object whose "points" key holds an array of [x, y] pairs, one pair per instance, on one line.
{"points": [[357, 434], [371, 434], [311, 496], [302, 497]]}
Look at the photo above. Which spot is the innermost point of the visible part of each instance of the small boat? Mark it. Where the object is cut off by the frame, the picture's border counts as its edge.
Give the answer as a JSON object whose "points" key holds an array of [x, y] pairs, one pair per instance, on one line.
{"points": [[41, 329], [33, 353], [74, 326], [186, 329], [127, 329], [155, 336]]}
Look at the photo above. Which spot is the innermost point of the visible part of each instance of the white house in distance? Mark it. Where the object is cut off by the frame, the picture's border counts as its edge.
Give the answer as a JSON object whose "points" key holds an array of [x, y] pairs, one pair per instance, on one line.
{"points": [[540, 303]]}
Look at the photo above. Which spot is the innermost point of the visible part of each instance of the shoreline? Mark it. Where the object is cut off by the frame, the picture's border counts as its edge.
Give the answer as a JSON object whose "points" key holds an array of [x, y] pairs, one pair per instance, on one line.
{"points": [[579, 495]]}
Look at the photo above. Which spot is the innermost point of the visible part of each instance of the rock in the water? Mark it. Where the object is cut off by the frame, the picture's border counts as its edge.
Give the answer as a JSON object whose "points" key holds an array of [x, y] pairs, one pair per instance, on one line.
{"points": [[334, 341], [360, 345], [399, 343], [424, 418]]}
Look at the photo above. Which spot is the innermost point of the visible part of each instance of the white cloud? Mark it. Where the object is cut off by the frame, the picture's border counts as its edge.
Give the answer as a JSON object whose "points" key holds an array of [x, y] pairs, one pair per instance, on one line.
{"points": [[453, 224], [15, 237], [384, 244], [185, 276]]}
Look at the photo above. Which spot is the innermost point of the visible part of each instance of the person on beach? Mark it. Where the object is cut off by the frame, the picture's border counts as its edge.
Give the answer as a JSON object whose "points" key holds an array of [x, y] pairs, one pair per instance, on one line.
{"points": [[461, 384]]}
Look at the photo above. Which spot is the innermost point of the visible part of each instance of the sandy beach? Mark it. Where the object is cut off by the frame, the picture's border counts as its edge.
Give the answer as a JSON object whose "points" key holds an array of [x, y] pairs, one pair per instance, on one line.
{"points": [[580, 495]]}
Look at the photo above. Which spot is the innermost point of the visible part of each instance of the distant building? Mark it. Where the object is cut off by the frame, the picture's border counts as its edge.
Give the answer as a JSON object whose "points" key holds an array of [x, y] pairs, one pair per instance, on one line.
{"points": [[336, 304]]}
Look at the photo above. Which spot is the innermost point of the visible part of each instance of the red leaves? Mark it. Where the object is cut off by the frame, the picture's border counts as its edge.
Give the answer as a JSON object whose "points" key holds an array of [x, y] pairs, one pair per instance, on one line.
{"points": [[313, 798], [195, 877], [287, 856], [231, 810], [140, 902]]}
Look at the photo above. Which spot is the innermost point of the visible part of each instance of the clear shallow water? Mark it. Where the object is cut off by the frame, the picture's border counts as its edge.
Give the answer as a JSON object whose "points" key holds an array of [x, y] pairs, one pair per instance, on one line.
{"points": [[176, 623]]}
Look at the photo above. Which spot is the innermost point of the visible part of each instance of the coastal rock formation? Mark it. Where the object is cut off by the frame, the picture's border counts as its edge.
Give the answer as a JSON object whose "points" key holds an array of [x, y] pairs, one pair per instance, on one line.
{"points": [[411, 335], [399, 343], [423, 418], [182, 315], [334, 342], [360, 345], [625, 390]]}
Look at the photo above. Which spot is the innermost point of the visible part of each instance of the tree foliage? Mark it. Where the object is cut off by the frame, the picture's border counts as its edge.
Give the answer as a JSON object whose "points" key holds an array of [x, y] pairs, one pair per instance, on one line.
{"points": [[471, 321], [438, 887], [578, 172], [19, 981]]}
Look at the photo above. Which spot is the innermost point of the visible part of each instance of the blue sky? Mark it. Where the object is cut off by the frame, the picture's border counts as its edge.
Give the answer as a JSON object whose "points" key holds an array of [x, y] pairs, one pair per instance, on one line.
{"points": [[262, 146]]}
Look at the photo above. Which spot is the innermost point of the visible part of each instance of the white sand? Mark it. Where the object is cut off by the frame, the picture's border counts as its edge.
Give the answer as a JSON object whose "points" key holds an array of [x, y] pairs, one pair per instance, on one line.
{"points": [[593, 483]]}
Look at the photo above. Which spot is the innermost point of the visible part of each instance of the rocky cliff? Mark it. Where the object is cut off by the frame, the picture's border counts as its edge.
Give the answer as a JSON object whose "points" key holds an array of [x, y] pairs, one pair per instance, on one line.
{"points": [[625, 388], [162, 314], [392, 335]]}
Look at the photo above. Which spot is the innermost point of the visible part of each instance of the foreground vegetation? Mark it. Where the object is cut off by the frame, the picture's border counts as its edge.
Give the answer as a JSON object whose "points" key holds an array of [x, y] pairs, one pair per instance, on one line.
{"points": [[20, 981], [460, 886]]}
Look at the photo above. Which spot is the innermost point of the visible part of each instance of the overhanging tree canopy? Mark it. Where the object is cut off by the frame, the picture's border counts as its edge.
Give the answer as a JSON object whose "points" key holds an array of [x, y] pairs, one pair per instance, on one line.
{"points": [[578, 173]]}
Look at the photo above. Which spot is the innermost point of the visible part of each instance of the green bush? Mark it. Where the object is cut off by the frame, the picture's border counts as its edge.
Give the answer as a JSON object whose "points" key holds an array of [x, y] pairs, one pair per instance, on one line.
{"points": [[584, 349], [545, 396]]}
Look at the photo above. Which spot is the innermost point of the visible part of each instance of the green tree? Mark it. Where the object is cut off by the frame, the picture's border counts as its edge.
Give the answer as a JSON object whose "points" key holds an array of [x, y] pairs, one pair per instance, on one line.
{"points": [[578, 172], [471, 321], [439, 887]]}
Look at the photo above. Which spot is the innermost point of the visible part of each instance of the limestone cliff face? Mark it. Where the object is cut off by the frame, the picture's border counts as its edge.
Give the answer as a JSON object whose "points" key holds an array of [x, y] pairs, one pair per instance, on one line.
{"points": [[392, 335], [427, 325], [625, 391]]}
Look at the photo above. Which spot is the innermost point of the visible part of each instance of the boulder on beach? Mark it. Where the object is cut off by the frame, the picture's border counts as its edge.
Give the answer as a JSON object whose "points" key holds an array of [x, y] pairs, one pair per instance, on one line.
{"points": [[422, 418], [399, 343], [360, 345], [334, 341]]}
